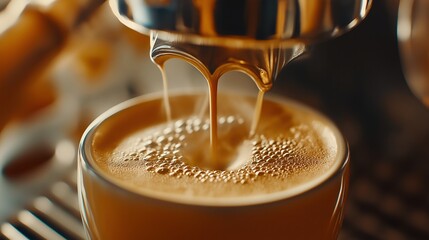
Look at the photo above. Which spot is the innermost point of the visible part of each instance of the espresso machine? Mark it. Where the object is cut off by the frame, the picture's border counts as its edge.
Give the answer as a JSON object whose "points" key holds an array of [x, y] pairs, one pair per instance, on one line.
{"points": [[267, 33], [261, 36]]}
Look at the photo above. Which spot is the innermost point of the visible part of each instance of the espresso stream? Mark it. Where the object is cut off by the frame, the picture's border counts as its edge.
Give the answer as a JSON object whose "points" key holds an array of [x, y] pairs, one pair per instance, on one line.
{"points": [[242, 146], [212, 62]]}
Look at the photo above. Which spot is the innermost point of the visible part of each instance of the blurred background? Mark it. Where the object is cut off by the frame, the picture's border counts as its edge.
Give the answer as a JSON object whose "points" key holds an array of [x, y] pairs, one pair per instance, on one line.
{"points": [[87, 62]]}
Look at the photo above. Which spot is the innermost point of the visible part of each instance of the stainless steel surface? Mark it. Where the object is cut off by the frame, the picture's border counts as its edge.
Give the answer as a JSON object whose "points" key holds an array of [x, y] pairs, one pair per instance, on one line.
{"points": [[15, 192], [375, 210], [256, 37], [53, 215], [244, 22], [261, 64]]}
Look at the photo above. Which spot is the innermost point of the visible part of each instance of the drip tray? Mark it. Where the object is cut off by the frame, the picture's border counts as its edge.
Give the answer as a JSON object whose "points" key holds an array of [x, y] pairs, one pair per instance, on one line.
{"points": [[374, 211], [53, 215]]}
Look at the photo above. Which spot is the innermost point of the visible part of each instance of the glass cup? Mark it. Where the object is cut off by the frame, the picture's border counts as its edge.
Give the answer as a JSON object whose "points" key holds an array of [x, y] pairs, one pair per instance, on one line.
{"points": [[114, 210], [413, 36]]}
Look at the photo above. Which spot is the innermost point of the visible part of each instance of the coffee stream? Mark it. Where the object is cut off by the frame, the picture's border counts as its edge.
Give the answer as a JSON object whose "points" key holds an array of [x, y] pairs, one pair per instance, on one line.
{"points": [[262, 65]]}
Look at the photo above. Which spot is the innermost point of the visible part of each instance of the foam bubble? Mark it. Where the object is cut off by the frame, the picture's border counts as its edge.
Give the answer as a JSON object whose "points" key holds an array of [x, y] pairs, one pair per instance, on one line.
{"points": [[174, 158], [162, 153]]}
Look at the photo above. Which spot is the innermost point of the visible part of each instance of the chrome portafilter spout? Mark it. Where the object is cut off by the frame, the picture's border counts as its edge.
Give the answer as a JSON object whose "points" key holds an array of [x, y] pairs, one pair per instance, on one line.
{"points": [[261, 35]]}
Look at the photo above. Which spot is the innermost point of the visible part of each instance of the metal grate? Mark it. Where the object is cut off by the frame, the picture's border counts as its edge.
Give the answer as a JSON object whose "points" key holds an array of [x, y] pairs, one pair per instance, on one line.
{"points": [[388, 201], [380, 207], [54, 215]]}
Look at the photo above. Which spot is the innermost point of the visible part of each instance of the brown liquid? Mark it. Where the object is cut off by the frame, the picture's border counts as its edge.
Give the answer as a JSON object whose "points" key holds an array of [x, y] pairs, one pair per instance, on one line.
{"points": [[290, 149], [221, 174], [237, 173], [231, 173], [261, 65], [160, 187]]}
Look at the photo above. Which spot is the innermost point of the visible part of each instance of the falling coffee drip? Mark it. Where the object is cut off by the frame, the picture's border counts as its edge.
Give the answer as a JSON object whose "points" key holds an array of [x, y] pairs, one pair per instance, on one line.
{"points": [[255, 37], [261, 64]]}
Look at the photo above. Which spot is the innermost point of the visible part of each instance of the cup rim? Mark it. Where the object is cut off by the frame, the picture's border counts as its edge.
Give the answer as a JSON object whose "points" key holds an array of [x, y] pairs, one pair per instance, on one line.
{"points": [[84, 162]]}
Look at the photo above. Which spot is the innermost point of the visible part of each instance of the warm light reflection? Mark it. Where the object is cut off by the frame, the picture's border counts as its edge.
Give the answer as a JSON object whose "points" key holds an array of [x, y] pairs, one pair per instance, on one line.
{"points": [[11, 13], [65, 152], [404, 19]]}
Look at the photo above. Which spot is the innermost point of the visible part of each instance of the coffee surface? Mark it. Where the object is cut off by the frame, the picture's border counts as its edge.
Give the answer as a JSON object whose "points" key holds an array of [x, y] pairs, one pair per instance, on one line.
{"points": [[292, 148]]}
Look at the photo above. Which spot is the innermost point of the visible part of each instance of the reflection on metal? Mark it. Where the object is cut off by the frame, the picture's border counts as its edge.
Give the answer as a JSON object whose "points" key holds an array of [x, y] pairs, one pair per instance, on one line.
{"points": [[413, 36], [404, 19], [54, 215], [65, 152], [9, 231], [35, 224], [59, 216], [268, 21]]}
